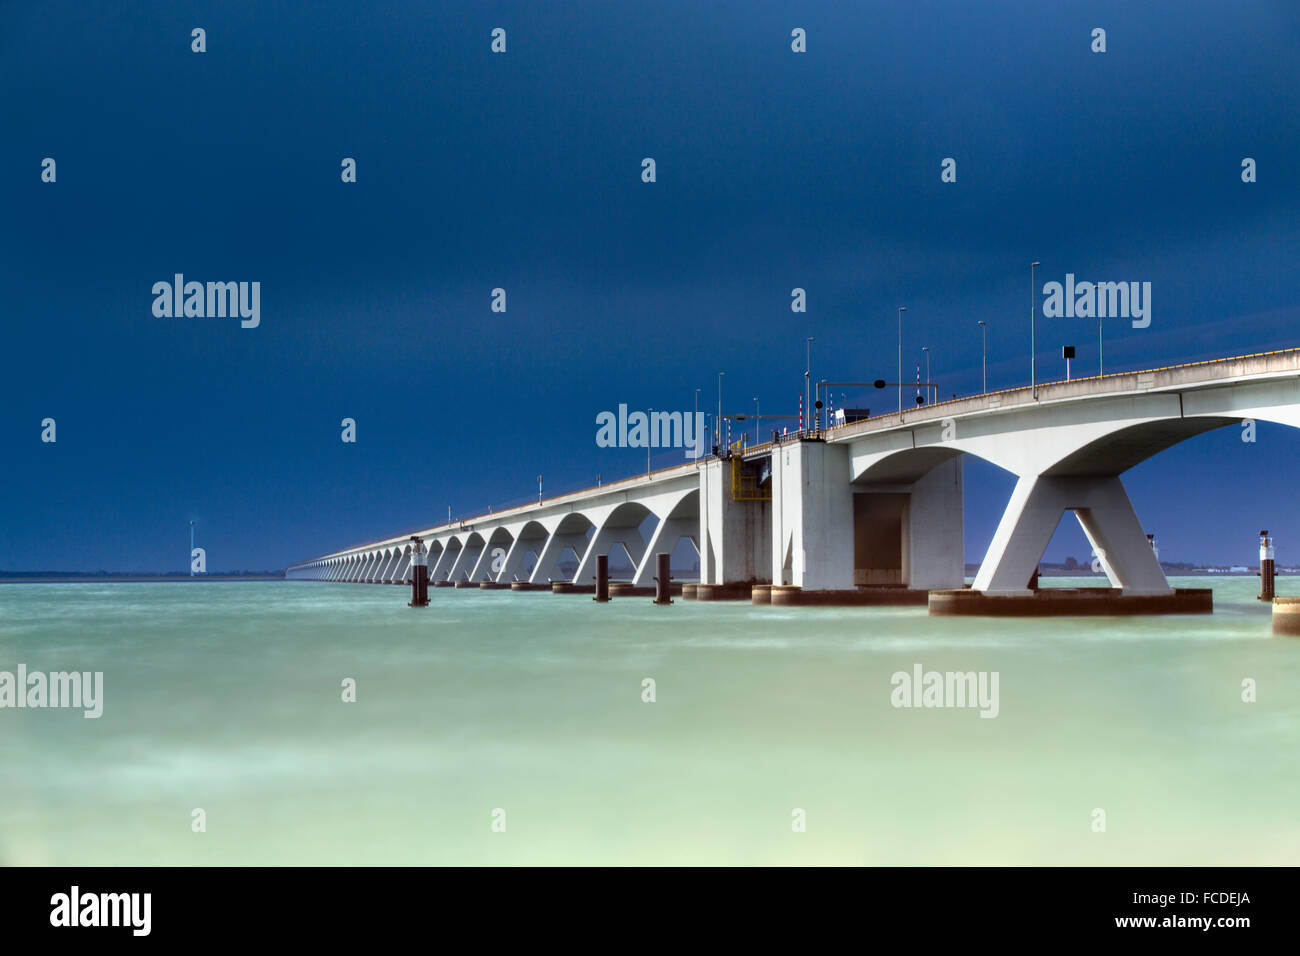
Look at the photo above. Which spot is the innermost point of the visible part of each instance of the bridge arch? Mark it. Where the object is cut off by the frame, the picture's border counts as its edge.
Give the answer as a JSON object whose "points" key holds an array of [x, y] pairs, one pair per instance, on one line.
{"points": [[499, 538], [621, 527], [470, 551], [572, 533]]}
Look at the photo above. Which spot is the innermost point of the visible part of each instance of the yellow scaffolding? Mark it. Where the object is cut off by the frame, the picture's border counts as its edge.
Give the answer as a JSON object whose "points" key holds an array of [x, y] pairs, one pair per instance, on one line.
{"points": [[744, 485]]}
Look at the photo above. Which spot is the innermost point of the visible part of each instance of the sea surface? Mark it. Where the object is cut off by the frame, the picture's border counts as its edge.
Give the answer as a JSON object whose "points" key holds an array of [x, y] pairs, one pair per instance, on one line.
{"points": [[526, 710]]}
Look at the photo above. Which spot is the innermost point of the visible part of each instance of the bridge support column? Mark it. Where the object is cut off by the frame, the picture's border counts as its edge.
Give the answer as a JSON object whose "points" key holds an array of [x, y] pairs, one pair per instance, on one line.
{"points": [[629, 537], [469, 555], [514, 562], [483, 566], [666, 535], [446, 558], [735, 536], [812, 516], [1108, 519], [402, 571], [935, 555], [548, 562]]}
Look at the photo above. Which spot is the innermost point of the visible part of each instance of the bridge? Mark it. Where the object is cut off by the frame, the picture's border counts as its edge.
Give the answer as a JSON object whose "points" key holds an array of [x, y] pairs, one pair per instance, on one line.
{"points": [[873, 503]]}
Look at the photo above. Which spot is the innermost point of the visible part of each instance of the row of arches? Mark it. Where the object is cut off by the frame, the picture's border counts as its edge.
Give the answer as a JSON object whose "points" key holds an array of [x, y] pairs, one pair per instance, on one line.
{"points": [[561, 546]]}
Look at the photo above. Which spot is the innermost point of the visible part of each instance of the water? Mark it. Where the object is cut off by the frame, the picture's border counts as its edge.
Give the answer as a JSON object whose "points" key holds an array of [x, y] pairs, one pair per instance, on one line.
{"points": [[226, 697]]}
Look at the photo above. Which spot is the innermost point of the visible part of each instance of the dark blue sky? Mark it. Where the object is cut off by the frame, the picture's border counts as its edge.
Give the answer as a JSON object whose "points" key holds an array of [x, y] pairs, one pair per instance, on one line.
{"points": [[522, 170]]}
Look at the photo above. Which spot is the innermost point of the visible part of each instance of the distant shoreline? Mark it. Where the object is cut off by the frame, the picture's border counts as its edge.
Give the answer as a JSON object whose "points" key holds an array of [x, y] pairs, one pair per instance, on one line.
{"points": [[131, 578]]}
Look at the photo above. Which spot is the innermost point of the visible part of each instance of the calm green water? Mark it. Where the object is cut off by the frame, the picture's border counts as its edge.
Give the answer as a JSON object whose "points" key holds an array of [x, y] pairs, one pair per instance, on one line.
{"points": [[226, 696]]}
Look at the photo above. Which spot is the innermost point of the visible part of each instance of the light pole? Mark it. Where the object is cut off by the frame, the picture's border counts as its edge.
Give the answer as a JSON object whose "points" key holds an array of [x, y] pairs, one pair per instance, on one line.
{"points": [[928, 380], [1101, 365], [901, 310], [191, 549], [1033, 312], [539, 489], [807, 386], [984, 363], [717, 422], [697, 407], [758, 427]]}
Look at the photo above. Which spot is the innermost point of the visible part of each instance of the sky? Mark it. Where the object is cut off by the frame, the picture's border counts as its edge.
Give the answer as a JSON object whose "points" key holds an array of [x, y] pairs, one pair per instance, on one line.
{"points": [[775, 170]]}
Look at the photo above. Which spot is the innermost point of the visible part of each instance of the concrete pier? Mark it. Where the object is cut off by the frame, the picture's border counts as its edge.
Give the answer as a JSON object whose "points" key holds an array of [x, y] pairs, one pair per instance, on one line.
{"points": [[1072, 602], [1286, 616], [568, 587], [789, 595], [723, 592]]}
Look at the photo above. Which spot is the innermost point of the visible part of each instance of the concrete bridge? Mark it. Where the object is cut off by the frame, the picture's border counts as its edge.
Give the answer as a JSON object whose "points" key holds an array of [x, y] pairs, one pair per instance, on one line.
{"points": [[876, 502]]}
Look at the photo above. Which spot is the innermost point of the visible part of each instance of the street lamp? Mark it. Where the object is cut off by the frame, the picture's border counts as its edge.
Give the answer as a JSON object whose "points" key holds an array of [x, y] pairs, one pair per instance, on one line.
{"points": [[984, 332], [928, 380], [539, 489], [1101, 365], [901, 310], [757, 425], [807, 387], [717, 422], [191, 548], [1033, 312]]}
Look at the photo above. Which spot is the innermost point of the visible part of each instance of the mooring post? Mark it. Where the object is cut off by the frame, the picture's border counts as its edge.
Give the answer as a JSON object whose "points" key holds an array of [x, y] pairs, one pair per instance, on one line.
{"points": [[419, 574], [1266, 572], [602, 578], [662, 576]]}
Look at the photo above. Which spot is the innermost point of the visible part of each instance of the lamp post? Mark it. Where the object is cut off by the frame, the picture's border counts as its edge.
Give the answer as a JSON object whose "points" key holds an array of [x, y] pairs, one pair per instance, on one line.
{"points": [[717, 422], [758, 439], [1101, 365], [1033, 313], [901, 310], [928, 380], [539, 489], [984, 363], [191, 549], [807, 385]]}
